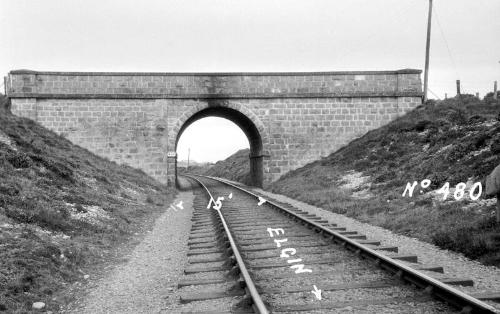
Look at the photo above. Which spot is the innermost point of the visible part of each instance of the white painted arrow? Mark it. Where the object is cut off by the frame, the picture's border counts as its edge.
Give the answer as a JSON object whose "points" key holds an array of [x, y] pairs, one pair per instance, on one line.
{"points": [[316, 292], [261, 201], [180, 205], [231, 196]]}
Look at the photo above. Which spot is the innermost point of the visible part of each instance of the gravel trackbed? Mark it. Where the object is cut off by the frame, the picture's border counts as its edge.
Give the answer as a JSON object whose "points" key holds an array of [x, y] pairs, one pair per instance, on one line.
{"points": [[147, 282]]}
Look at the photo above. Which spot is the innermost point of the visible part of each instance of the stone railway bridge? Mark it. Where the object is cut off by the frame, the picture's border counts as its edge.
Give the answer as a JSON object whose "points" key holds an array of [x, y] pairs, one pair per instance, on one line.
{"points": [[290, 119]]}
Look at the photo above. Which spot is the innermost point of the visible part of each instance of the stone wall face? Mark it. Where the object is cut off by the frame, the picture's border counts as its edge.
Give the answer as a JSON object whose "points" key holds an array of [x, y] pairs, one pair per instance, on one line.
{"points": [[135, 118], [126, 131], [300, 131]]}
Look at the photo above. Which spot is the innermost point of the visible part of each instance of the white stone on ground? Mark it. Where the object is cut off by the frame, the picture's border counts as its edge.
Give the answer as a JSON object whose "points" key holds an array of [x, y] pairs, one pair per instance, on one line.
{"points": [[38, 305]]}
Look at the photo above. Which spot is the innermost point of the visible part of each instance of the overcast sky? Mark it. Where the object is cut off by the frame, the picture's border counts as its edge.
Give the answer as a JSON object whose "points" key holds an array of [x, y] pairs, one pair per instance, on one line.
{"points": [[226, 139], [256, 35]]}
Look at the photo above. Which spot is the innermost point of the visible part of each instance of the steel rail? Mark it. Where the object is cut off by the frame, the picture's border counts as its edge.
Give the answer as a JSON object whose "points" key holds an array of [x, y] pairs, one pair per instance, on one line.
{"points": [[460, 300], [258, 305]]}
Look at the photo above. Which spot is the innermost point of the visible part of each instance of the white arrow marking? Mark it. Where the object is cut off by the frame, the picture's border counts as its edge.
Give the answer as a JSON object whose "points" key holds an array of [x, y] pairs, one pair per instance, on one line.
{"points": [[231, 196], [173, 208], [180, 205], [316, 292], [261, 201]]}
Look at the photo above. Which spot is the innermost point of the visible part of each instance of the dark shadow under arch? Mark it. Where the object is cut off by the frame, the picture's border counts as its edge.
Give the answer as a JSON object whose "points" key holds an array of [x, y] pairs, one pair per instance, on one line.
{"points": [[246, 125]]}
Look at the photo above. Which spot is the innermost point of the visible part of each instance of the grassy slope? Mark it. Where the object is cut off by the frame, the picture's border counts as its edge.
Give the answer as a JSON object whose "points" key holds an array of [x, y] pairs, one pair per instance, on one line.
{"points": [[198, 168], [452, 141], [236, 167], [50, 192]]}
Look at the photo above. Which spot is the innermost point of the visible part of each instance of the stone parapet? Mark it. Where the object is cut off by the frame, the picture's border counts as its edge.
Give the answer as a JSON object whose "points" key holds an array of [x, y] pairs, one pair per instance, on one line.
{"points": [[31, 84]]}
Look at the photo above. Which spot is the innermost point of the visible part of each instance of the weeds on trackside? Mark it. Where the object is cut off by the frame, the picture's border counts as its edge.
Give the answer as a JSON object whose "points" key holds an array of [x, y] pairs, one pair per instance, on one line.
{"points": [[455, 140], [62, 212]]}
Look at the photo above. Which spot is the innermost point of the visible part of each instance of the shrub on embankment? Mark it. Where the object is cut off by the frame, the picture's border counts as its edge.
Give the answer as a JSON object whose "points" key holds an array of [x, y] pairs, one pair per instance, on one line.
{"points": [[63, 211], [455, 140]]}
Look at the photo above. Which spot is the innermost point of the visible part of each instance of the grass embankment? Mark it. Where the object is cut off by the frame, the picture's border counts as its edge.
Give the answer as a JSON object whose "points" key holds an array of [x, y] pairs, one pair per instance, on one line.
{"points": [[235, 167], [63, 211], [194, 167], [449, 141]]}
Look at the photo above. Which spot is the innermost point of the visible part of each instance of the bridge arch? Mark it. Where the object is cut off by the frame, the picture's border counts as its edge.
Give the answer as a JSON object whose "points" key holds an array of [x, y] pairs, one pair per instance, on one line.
{"points": [[244, 118]]}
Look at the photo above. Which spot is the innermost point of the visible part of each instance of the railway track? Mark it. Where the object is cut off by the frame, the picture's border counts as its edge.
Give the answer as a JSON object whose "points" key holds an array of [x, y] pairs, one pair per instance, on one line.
{"points": [[248, 254]]}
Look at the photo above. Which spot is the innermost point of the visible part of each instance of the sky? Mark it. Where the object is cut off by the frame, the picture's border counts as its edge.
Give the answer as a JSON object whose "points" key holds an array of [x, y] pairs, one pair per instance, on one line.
{"points": [[254, 36], [219, 147]]}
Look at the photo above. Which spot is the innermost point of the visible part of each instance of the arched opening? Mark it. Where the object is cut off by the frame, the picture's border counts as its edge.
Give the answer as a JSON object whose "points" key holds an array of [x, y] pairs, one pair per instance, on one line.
{"points": [[246, 125]]}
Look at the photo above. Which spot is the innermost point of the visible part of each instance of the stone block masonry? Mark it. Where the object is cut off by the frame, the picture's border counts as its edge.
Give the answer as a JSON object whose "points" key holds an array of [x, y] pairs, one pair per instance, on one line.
{"points": [[137, 118]]}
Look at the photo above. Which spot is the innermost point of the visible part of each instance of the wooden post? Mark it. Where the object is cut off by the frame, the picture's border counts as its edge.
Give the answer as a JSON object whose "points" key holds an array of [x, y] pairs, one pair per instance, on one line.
{"points": [[495, 91], [458, 88], [427, 50]]}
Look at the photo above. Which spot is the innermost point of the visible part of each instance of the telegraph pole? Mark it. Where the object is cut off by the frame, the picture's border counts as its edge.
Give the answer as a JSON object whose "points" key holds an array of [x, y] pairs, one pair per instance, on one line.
{"points": [[427, 49], [189, 153]]}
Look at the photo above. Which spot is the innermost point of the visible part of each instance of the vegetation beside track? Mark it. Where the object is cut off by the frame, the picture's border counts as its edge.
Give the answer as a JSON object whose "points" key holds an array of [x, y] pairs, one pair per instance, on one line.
{"points": [[63, 213], [235, 167], [455, 140]]}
